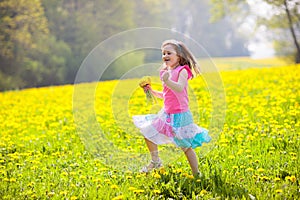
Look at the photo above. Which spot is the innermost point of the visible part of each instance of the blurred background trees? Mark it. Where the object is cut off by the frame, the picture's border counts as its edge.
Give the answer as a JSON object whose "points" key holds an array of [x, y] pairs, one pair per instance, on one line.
{"points": [[44, 42], [280, 18]]}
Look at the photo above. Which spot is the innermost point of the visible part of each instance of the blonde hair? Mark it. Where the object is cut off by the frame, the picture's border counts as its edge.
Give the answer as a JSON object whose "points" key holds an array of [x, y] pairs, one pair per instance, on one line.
{"points": [[185, 55]]}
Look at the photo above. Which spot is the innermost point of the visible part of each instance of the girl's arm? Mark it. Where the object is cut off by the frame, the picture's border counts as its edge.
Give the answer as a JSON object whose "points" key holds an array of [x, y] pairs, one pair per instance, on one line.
{"points": [[156, 93], [180, 84]]}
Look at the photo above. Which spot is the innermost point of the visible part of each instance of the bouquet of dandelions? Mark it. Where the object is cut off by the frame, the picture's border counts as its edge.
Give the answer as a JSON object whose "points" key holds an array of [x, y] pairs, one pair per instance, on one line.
{"points": [[145, 83]]}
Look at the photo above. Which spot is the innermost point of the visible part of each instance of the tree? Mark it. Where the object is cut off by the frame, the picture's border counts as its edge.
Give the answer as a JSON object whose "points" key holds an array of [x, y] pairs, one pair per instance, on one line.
{"points": [[82, 25], [283, 16], [218, 38], [21, 22], [30, 55]]}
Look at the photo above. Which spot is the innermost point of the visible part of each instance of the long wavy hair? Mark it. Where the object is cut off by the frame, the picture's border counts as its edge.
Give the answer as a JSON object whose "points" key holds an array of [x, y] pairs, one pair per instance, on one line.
{"points": [[185, 55]]}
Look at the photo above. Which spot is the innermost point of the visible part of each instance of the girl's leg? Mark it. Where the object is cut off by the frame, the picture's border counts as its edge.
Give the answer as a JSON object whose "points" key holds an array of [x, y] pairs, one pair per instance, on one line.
{"points": [[192, 158], [153, 150], [155, 161]]}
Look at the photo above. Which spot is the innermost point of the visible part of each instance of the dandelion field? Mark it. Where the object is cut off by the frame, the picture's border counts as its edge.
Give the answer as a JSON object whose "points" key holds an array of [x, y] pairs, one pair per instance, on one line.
{"points": [[256, 155]]}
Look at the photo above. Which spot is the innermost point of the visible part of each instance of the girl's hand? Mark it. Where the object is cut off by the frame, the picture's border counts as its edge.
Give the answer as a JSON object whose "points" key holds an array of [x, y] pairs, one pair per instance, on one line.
{"points": [[147, 88], [165, 76], [180, 84]]}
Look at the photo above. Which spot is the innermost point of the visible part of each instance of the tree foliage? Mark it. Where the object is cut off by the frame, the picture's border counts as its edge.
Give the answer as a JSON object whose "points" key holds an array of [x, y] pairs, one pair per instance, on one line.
{"points": [[44, 42], [283, 20], [21, 22], [218, 38], [30, 55]]}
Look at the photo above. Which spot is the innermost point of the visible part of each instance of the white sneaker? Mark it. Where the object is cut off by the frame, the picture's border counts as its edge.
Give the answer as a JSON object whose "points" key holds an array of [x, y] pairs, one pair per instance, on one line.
{"points": [[151, 166]]}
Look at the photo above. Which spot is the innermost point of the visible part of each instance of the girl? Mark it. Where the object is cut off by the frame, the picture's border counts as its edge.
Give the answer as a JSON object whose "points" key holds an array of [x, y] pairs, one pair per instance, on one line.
{"points": [[174, 123]]}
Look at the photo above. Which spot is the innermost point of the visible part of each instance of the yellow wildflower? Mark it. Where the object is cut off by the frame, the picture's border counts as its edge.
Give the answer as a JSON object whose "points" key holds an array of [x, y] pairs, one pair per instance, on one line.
{"points": [[279, 191], [118, 197], [114, 187], [156, 175]]}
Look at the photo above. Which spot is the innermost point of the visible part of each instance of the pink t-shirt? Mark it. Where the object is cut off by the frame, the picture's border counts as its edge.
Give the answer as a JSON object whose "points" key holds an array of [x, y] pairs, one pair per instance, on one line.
{"points": [[176, 102]]}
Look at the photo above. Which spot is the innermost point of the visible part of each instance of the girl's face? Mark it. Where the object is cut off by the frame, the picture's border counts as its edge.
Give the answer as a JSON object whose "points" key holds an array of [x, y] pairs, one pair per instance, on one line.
{"points": [[169, 56]]}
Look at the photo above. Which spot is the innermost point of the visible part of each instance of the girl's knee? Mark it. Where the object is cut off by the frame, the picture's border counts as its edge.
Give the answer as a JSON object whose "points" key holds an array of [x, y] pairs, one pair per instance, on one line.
{"points": [[186, 150]]}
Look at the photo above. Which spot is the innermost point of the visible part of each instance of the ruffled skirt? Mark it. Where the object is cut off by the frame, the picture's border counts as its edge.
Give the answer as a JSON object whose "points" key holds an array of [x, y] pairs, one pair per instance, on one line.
{"points": [[179, 129]]}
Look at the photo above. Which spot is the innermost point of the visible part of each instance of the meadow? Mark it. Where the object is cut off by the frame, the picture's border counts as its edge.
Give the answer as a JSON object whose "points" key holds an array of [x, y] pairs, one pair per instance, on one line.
{"points": [[255, 155]]}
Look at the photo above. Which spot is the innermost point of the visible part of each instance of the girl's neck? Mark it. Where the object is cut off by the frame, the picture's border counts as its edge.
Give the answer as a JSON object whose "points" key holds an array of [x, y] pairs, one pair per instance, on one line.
{"points": [[172, 68]]}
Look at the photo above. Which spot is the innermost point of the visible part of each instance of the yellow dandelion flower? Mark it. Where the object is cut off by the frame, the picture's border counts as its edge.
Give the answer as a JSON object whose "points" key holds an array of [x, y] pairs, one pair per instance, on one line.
{"points": [[113, 176], [240, 152], [107, 180], [146, 80], [103, 169], [34, 167], [63, 193], [224, 145], [271, 152], [278, 191], [162, 170], [64, 173], [51, 194], [141, 175], [156, 176], [264, 178], [72, 173], [118, 197], [290, 178], [249, 169], [114, 187], [156, 191], [203, 192], [235, 167], [13, 180], [248, 151], [31, 184], [190, 176], [292, 153], [185, 174], [250, 137], [249, 156], [260, 170], [131, 188], [277, 179]]}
